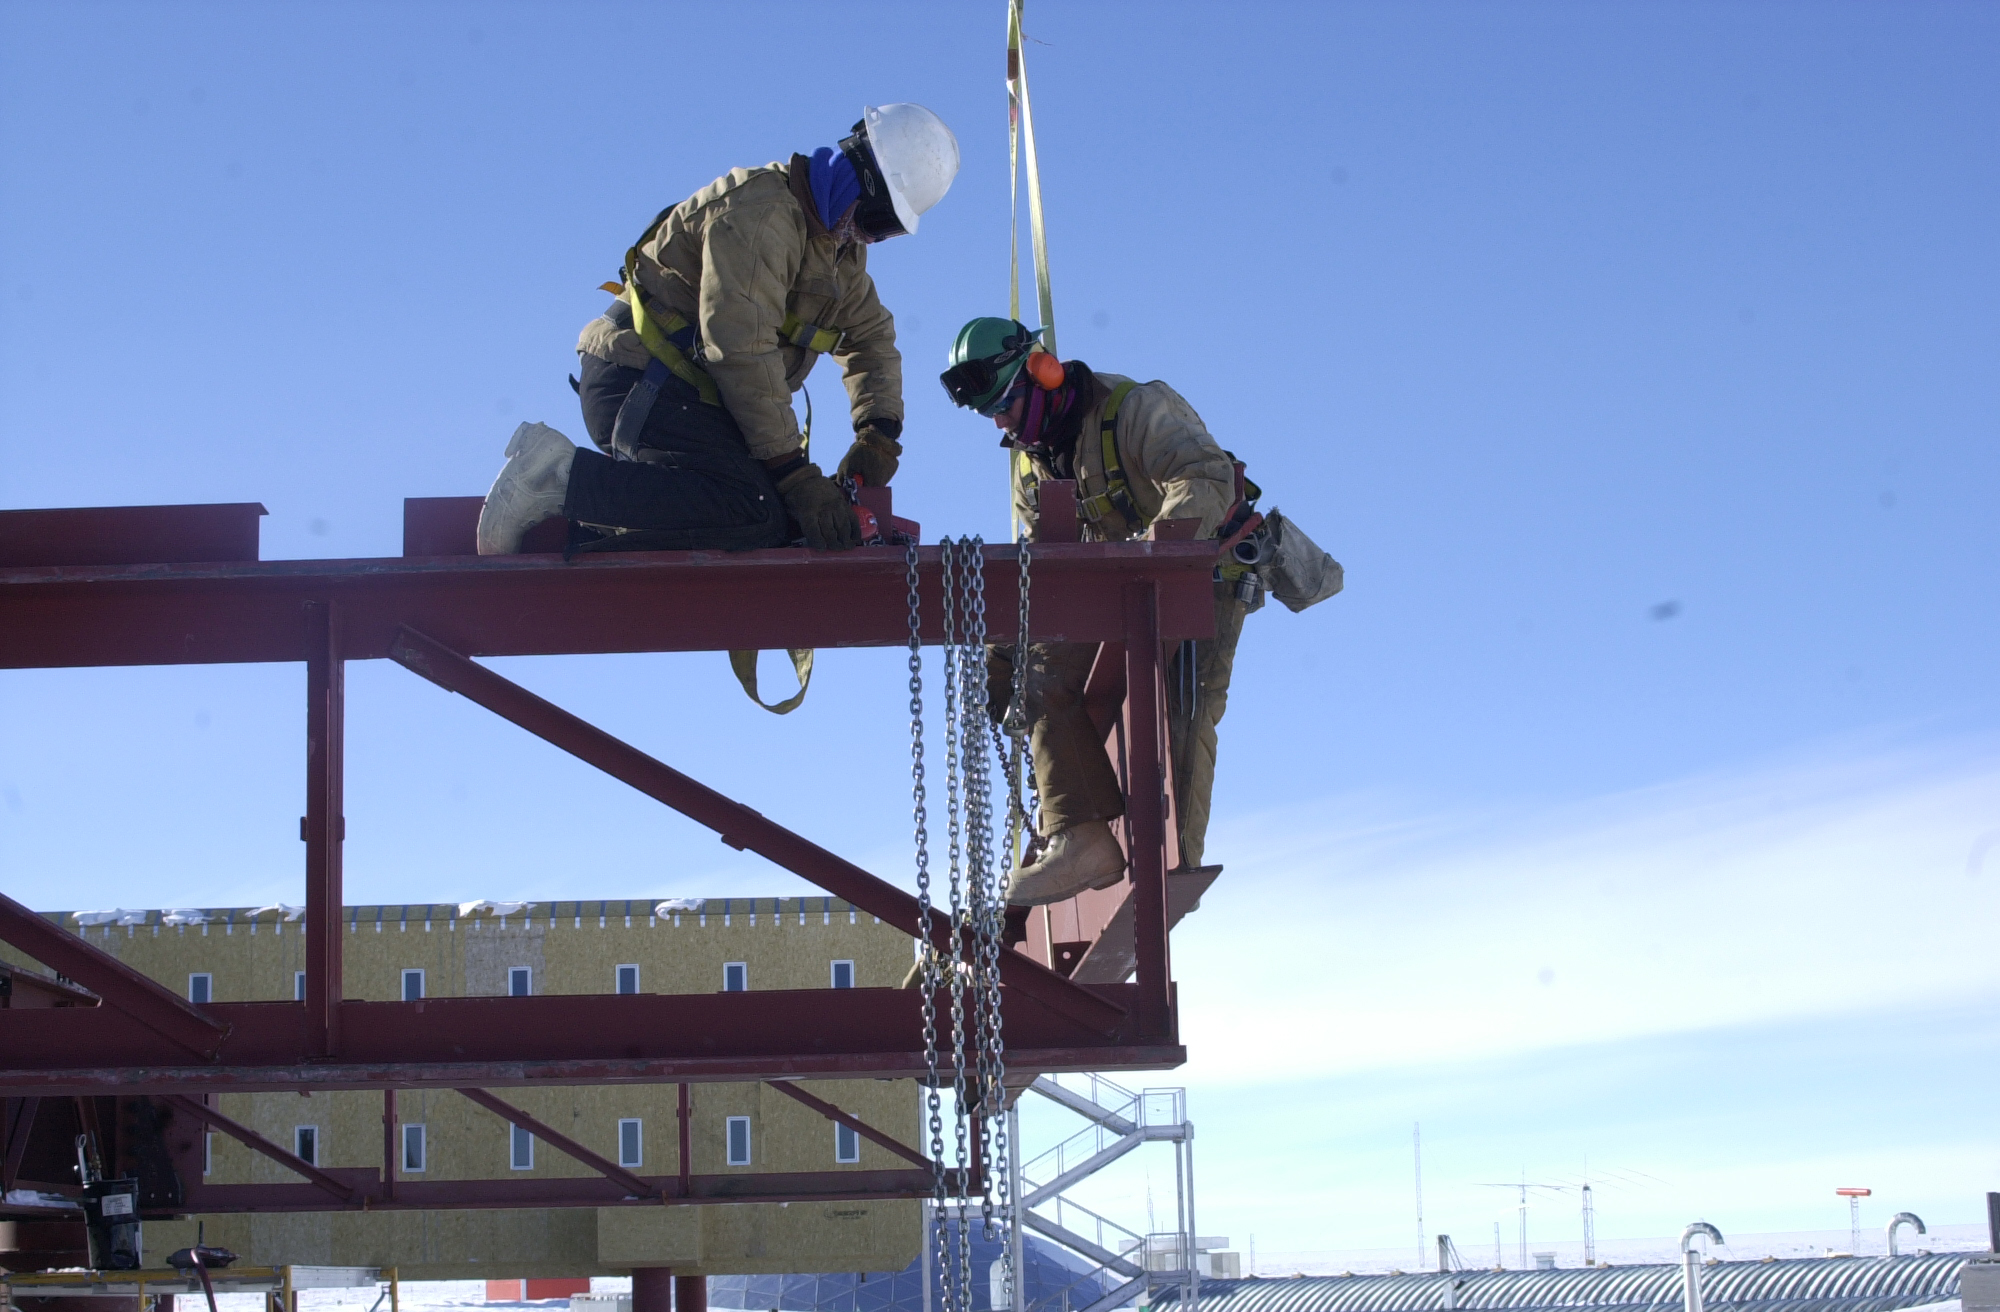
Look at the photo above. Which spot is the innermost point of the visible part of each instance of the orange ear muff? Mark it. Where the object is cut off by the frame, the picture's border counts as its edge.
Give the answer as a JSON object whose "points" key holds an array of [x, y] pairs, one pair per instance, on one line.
{"points": [[1046, 370]]}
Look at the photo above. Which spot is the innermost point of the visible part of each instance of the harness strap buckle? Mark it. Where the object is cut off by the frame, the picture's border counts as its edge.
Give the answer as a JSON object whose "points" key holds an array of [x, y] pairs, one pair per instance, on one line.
{"points": [[809, 336]]}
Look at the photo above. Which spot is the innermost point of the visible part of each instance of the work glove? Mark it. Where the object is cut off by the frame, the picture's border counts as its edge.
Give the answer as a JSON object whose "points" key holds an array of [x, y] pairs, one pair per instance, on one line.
{"points": [[821, 509], [872, 457]]}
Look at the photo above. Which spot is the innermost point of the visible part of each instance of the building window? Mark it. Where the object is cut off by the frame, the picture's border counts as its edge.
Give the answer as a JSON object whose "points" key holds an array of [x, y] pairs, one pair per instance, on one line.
{"points": [[305, 1142], [843, 974], [518, 980], [628, 979], [201, 988], [739, 1140], [413, 1147], [735, 977], [522, 1154], [298, 986], [846, 1143], [413, 986], [631, 1145]]}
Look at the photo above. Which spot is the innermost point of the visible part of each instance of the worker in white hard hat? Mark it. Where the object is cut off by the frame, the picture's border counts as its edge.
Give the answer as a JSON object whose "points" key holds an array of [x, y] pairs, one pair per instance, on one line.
{"points": [[723, 306]]}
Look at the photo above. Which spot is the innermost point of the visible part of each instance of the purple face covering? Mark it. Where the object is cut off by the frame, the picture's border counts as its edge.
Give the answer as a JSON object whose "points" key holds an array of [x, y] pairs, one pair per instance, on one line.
{"points": [[1044, 414]]}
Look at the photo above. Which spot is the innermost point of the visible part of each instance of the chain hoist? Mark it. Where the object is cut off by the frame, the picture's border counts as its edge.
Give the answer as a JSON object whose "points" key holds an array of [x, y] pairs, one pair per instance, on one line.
{"points": [[927, 956], [961, 928]]}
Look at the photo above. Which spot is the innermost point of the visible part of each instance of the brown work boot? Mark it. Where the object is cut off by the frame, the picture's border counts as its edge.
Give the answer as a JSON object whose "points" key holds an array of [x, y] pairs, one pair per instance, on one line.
{"points": [[1082, 856]]}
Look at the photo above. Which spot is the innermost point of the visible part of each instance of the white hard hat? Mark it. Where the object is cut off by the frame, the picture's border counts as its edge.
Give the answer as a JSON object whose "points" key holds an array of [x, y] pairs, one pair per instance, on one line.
{"points": [[917, 154]]}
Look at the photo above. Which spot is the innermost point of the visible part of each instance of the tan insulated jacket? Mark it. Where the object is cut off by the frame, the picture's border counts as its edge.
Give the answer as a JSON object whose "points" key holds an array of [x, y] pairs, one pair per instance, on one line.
{"points": [[734, 259], [1173, 468]]}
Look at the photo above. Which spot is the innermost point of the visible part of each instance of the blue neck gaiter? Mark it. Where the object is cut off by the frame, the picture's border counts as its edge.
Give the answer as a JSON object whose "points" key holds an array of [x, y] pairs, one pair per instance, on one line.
{"points": [[834, 184]]}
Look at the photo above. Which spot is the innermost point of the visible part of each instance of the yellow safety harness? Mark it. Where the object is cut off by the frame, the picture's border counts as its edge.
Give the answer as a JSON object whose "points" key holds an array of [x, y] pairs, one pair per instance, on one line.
{"points": [[659, 331], [1117, 493]]}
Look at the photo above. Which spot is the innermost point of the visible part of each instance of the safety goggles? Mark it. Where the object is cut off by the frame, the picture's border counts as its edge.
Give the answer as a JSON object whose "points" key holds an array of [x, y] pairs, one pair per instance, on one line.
{"points": [[965, 383]]}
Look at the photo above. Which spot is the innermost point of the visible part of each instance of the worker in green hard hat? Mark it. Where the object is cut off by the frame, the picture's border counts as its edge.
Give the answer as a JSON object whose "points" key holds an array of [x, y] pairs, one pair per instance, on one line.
{"points": [[1138, 453]]}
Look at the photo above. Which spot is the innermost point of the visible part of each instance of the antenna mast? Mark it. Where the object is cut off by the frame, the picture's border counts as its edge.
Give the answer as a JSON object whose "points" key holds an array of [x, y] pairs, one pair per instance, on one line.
{"points": [[1589, 1228], [1417, 1145]]}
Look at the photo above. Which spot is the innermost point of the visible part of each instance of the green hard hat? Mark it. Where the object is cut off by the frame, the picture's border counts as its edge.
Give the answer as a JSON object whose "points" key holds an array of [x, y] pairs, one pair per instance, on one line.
{"points": [[985, 359]]}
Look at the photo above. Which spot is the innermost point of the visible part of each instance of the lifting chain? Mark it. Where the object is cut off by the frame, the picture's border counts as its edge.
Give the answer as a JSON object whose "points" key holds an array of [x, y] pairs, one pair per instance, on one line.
{"points": [[966, 962]]}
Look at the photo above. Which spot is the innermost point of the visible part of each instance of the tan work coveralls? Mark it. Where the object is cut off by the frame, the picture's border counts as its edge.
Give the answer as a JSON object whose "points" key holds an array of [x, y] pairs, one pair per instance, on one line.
{"points": [[1174, 470], [733, 260]]}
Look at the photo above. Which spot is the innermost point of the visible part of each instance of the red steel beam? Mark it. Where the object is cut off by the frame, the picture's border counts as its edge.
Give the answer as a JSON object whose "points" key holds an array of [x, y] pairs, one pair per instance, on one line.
{"points": [[562, 1143], [145, 1000], [551, 1039], [323, 828], [740, 827], [1145, 816], [585, 1191], [54, 616], [256, 1142], [852, 1122]]}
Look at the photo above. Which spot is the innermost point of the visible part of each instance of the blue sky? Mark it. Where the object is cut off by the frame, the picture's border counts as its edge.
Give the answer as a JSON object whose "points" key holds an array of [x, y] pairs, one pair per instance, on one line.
{"points": [[1546, 319]]}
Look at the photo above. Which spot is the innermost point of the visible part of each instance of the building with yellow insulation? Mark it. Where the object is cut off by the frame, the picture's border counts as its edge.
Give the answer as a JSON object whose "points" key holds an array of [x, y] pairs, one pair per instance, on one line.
{"points": [[474, 950]]}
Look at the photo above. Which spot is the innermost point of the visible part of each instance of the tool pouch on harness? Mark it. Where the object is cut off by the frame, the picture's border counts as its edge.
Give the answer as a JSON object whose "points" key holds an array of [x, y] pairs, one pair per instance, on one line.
{"points": [[1295, 569]]}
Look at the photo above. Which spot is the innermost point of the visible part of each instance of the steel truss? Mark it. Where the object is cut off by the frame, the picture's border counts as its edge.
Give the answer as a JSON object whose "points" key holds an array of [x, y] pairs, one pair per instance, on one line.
{"points": [[179, 585]]}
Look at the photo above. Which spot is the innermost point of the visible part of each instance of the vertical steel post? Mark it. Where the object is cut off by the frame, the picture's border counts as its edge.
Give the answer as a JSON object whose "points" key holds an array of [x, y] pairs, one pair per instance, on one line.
{"points": [[1145, 812], [653, 1289], [389, 1145], [1183, 1240], [930, 1246], [1016, 1255], [1194, 1230], [690, 1294], [324, 823], [684, 1110]]}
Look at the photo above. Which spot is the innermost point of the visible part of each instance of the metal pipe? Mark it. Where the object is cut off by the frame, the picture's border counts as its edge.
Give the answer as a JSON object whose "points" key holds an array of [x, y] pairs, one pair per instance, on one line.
{"points": [[1691, 1262], [1904, 1218]]}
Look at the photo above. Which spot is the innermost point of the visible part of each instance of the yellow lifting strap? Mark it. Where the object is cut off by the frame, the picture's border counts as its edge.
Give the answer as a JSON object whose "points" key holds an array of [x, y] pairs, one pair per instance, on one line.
{"points": [[1021, 124], [745, 665], [653, 330], [1117, 493]]}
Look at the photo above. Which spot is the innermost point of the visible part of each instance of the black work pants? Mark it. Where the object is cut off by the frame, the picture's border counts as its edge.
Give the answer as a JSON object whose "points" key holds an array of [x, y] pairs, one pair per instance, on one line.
{"points": [[688, 483]]}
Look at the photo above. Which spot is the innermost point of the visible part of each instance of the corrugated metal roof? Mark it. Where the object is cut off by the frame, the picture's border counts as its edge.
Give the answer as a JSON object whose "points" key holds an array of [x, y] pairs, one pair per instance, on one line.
{"points": [[1813, 1284]]}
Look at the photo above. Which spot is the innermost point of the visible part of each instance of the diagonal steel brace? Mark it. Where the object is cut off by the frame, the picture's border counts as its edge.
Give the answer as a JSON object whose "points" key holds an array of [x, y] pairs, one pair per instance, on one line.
{"points": [[854, 1123], [122, 988], [562, 1143], [740, 827], [256, 1142]]}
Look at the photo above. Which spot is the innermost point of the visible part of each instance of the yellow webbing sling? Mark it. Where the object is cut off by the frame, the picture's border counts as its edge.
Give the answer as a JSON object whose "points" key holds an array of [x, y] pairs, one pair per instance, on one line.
{"points": [[745, 665]]}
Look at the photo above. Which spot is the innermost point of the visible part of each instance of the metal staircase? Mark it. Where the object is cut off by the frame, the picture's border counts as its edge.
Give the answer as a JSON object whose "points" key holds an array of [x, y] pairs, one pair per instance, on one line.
{"points": [[1129, 1266]]}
